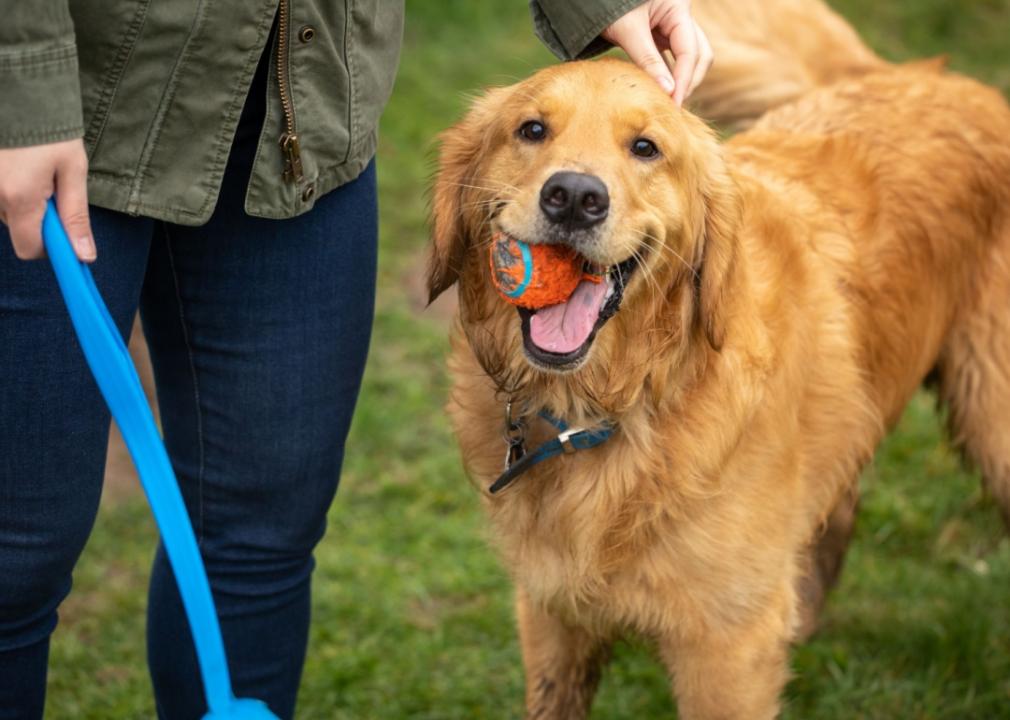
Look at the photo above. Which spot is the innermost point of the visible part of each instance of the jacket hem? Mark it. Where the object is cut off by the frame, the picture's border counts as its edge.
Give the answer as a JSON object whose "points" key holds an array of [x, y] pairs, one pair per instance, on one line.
{"points": [[41, 137], [329, 179], [113, 193], [40, 93]]}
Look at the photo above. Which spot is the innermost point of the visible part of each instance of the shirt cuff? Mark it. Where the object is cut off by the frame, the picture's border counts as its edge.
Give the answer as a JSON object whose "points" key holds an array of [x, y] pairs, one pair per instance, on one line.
{"points": [[41, 93], [571, 30]]}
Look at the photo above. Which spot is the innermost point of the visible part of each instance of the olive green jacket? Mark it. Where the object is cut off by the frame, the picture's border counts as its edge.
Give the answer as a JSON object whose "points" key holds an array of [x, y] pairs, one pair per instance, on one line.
{"points": [[156, 88]]}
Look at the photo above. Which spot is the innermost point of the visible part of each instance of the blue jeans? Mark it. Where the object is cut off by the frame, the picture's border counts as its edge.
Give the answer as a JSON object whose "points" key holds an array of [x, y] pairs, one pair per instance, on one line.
{"points": [[258, 331]]}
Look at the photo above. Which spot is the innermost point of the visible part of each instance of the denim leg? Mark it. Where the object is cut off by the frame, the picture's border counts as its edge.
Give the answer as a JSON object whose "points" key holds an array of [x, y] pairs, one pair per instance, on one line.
{"points": [[54, 428], [258, 331]]}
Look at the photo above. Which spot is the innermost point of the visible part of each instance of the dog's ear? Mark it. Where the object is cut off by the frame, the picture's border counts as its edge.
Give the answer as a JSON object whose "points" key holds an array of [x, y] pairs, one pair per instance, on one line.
{"points": [[718, 246], [453, 206]]}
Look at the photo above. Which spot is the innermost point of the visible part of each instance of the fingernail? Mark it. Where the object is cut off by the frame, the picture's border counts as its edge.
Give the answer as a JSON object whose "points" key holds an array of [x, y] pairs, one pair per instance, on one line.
{"points": [[667, 85], [85, 248]]}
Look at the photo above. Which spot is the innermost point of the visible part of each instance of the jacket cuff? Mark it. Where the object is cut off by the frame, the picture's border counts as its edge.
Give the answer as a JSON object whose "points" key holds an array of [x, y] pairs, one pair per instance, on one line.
{"points": [[572, 30], [41, 93]]}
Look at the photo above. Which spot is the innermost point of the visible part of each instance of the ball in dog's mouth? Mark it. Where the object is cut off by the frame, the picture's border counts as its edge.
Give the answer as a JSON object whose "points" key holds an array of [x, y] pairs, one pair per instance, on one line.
{"points": [[537, 275], [559, 336], [562, 298]]}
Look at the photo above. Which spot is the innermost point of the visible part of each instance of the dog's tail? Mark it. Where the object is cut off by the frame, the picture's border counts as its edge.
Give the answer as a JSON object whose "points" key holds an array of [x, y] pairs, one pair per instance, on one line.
{"points": [[770, 52]]}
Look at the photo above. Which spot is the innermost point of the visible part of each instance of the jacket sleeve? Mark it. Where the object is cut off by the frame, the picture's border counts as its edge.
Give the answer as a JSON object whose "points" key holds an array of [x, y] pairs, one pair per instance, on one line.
{"points": [[571, 28], [40, 92]]}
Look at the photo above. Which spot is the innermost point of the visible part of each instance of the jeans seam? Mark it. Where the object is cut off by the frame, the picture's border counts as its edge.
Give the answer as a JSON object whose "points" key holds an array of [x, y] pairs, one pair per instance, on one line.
{"points": [[196, 384]]}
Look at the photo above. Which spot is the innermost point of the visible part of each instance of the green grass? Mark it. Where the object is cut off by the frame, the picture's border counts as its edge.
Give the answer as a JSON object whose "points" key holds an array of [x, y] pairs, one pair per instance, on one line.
{"points": [[412, 612]]}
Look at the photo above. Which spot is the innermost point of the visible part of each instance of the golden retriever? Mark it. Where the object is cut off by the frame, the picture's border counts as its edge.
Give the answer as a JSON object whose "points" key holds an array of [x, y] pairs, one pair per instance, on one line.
{"points": [[772, 303]]}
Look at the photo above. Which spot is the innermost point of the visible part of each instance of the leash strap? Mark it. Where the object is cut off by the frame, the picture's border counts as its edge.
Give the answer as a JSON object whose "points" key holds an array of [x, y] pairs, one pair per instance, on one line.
{"points": [[568, 441], [110, 363]]}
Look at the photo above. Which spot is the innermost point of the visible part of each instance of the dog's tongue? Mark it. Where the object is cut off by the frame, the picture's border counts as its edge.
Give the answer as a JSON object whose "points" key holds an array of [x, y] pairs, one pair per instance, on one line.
{"points": [[563, 328]]}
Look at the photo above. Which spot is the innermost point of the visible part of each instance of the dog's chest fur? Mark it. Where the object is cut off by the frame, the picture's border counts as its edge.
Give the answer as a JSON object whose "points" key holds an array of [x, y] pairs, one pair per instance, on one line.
{"points": [[683, 506]]}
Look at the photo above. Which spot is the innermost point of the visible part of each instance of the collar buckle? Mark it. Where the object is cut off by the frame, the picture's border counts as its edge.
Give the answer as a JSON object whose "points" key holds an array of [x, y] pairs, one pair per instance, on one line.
{"points": [[565, 438]]}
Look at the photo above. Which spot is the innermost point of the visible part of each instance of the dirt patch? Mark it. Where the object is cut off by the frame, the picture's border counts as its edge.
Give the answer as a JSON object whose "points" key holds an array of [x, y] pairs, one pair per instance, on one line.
{"points": [[442, 310]]}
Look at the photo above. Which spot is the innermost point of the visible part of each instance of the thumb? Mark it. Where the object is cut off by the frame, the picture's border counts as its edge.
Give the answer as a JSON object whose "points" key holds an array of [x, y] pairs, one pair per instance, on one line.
{"points": [[72, 203]]}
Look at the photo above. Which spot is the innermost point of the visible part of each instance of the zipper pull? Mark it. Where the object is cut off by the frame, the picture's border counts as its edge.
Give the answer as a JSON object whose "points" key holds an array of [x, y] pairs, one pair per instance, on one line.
{"points": [[292, 157]]}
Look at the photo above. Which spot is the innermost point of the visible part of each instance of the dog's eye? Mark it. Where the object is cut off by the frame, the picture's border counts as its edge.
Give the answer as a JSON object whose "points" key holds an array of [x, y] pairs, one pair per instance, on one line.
{"points": [[644, 148], [533, 130]]}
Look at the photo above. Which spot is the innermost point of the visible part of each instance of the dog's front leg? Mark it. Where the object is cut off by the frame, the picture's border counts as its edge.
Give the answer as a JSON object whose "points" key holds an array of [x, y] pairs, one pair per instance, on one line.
{"points": [[732, 672], [562, 662]]}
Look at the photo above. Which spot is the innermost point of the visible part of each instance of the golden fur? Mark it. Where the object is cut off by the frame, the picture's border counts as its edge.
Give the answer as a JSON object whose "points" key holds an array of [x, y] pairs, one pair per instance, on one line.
{"points": [[797, 285], [770, 52]]}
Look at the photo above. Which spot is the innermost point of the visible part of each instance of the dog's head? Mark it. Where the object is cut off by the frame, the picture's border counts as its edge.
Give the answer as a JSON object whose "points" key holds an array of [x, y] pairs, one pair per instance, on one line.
{"points": [[592, 155]]}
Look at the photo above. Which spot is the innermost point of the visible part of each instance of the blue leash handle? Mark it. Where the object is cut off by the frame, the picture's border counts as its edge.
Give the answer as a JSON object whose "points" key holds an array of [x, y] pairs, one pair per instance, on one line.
{"points": [[117, 379]]}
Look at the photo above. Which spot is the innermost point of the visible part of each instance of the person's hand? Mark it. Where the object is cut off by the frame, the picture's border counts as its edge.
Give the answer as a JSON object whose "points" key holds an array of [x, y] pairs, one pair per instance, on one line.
{"points": [[28, 177], [658, 25]]}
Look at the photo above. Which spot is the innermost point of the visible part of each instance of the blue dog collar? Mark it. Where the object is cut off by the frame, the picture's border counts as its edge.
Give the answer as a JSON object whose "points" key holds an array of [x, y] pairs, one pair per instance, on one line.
{"points": [[568, 441]]}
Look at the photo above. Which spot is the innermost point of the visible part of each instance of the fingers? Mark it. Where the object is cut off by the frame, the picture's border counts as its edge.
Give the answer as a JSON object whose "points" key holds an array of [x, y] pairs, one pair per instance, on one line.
{"points": [[652, 27], [23, 202], [25, 224], [28, 177], [72, 203], [684, 44], [633, 34], [706, 56]]}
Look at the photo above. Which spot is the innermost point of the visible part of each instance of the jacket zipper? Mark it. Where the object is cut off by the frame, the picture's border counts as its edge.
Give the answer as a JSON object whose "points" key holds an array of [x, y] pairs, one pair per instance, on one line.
{"points": [[288, 141]]}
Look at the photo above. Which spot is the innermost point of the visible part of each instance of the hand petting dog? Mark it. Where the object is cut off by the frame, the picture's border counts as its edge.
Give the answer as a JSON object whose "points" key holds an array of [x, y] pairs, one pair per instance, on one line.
{"points": [[658, 25]]}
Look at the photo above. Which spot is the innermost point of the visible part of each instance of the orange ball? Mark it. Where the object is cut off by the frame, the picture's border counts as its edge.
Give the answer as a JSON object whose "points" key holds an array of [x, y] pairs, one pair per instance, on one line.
{"points": [[535, 276]]}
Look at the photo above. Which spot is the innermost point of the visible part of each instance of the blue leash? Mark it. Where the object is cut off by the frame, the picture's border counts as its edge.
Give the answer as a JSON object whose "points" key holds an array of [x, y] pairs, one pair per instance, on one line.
{"points": [[110, 363]]}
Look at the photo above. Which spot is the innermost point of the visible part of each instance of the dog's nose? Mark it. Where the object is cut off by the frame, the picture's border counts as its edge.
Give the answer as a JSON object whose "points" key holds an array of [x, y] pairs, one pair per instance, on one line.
{"points": [[574, 199]]}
